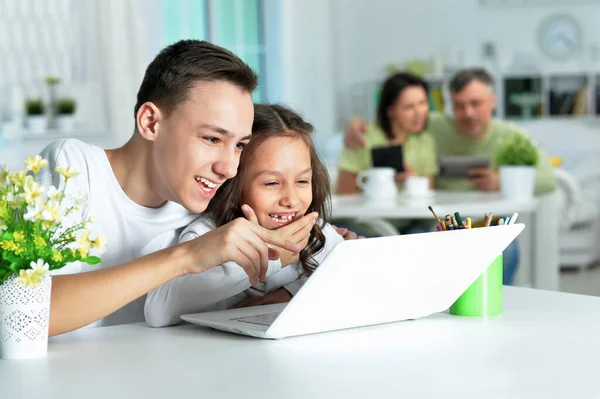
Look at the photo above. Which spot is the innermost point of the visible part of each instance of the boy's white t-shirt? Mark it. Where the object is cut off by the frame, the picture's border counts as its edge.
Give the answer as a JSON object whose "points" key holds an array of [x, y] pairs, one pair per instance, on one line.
{"points": [[222, 286], [128, 226]]}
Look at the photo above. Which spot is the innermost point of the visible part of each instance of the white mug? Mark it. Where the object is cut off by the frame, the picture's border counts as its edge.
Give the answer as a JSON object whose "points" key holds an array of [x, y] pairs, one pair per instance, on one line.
{"points": [[377, 183], [417, 186]]}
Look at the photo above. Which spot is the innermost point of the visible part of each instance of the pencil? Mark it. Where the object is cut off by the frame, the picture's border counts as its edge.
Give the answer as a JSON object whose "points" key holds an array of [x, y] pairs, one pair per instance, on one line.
{"points": [[513, 218], [435, 216], [500, 222], [468, 223], [488, 220], [458, 218], [454, 222]]}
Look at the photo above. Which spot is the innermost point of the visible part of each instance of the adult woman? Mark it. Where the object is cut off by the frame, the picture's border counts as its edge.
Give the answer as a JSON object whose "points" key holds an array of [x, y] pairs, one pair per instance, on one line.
{"points": [[401, 120]]}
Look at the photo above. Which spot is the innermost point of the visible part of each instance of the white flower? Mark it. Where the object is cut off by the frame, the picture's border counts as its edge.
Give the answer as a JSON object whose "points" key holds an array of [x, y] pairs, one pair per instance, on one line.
{"points": [[34, 211], [79, 198], [3, 225], [100, 242], [52, 212], [40, 267], [33, 190], [32, 277], [14, 200], [54, 193]]}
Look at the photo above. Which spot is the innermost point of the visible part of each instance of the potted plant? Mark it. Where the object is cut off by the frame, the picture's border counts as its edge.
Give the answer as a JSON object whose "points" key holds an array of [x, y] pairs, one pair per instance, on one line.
{"points": [[517, 158], [52, 82], [65, 108], [36, 120], [41, 230]]}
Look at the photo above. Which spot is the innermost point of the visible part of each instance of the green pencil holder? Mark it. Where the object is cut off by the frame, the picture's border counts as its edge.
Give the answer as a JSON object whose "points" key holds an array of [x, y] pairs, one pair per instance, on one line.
{"points": [[484, 296]]}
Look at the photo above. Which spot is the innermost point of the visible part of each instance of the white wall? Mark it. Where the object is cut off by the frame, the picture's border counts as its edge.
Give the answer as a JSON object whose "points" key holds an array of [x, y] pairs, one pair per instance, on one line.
{"points": [[370, 34], [307, 69]]}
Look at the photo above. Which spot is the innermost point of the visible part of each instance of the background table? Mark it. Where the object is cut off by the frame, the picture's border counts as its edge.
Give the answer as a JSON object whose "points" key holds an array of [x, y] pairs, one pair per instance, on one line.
{"points": [[544, 345], [539, 250]]}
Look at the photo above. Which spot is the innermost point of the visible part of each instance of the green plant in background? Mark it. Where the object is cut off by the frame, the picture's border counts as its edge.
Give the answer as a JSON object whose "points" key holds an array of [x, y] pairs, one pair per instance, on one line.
{"points": [[417, 67], [34, 106], [66, 106], [516, 150], [52, 80]]}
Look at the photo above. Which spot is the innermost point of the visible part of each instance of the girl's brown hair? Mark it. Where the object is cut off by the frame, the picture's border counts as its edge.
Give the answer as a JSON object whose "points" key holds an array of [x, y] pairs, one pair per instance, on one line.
{"points": [[277, 121]]}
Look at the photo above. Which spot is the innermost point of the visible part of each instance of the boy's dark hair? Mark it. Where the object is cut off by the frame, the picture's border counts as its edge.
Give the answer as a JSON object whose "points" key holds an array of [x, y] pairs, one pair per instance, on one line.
{"points": [[390, 91], [277, 121], [174, 71], [465, 76]]}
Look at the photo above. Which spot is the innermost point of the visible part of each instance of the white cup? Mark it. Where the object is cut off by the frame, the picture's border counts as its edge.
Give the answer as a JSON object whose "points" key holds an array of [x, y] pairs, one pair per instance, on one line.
{"points": [[377, 183], [417, 186]]}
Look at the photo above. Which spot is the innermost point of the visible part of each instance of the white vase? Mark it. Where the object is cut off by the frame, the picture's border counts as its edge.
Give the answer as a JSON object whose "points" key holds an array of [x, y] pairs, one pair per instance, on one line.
{"points": [[517, 183], [24, 319], [64, 123], [37, 124]]}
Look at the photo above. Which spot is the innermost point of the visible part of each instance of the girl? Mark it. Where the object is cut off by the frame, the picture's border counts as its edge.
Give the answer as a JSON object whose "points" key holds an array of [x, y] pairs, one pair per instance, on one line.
{"points": [[280, 180]]}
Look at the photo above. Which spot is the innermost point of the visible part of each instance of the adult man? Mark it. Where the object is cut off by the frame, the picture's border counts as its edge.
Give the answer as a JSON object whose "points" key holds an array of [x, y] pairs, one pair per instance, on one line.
{"points": [[193, 117], [471, 131]]}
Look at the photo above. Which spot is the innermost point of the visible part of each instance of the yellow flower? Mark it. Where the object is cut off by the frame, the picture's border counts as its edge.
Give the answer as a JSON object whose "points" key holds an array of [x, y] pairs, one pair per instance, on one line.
{"points": [[4, 173], [57, 257], [85, 244], [33, 190], [18, 235], [17, 178], [39, 241], [67, 172], [35, 163], [8, 245], [100, 242], [29, 278]]}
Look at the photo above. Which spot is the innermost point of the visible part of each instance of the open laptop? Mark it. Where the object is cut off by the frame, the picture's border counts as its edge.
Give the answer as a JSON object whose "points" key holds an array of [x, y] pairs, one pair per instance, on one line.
{"points": [[373, 281]]}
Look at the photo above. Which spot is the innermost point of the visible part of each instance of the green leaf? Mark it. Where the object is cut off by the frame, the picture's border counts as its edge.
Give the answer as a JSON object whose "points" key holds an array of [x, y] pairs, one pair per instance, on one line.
{"points": [[92, 260], [4, 275]]}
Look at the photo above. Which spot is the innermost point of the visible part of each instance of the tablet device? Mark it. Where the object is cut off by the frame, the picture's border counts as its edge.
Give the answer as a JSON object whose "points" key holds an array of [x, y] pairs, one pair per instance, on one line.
{"points": [[388, 157], [457, 167]]}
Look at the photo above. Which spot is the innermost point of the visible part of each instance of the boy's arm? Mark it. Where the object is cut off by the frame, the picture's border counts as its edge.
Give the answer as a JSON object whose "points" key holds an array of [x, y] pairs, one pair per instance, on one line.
{"points": [[194, 293]]}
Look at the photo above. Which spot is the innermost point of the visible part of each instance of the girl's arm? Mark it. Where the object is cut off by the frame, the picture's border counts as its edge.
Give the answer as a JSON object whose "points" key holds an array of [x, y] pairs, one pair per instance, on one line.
{"points": [[194, 293]]}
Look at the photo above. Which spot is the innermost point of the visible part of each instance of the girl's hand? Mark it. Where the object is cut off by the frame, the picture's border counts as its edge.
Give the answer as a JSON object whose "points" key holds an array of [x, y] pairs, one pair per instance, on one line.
{"points": [[242, 242], [279, 296], [296, 232], [402, 176]]}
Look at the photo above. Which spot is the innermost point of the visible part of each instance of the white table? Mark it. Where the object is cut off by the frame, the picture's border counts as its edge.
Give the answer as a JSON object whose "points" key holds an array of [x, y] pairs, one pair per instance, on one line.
{"points": [[544, 345], [539, 266]]}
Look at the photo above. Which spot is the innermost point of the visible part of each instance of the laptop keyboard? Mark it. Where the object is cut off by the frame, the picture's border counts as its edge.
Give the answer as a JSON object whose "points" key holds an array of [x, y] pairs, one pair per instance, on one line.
{"points": [[265, 319]]}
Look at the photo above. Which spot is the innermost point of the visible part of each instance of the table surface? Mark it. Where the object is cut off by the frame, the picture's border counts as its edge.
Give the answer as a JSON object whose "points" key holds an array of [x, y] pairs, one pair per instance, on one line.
{"points": [[544, 345], [468, 203]]}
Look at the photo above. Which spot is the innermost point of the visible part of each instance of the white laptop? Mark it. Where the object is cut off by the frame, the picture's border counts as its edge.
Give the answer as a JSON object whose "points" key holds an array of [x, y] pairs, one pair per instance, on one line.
{"points": [[373, 281]]}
